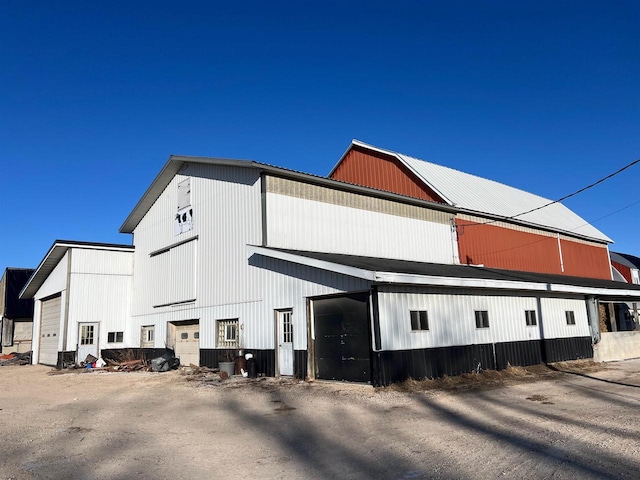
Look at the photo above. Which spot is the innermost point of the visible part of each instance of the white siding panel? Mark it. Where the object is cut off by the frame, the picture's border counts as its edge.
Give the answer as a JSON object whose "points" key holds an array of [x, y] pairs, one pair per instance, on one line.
{"points": [[555, 321], [288, 285], [452, 318], [173, 274], [226, 205], [56, 281], [301, 224], [101, 262]]}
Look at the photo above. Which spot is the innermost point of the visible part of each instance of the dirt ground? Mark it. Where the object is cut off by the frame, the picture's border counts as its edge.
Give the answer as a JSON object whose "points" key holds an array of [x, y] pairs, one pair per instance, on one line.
{"points": [[527, 424]]}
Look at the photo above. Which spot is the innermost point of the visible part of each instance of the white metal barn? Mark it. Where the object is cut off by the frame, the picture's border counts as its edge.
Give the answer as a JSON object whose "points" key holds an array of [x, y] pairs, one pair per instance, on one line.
{"points": [[323, 279], [82, 295]]}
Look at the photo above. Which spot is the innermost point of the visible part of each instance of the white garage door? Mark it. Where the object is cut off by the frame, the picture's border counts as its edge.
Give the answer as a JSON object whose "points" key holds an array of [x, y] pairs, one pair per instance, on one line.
{"points": [[49, 331]]}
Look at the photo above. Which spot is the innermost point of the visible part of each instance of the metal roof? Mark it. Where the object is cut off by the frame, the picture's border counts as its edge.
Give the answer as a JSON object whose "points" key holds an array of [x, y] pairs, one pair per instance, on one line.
{"points": [[617, 257], [55, 254], [382, 270], [478, 195], [632, 259]]}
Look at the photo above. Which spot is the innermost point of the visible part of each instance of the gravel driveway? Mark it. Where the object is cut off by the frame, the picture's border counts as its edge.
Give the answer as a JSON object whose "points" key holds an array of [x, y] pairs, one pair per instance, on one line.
{"points": [[159, 425]]}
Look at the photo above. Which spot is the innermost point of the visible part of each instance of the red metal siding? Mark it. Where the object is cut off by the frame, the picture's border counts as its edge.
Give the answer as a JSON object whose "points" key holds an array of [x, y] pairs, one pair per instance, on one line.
{"points": [[624, 270], [498, 247], [581, 260], [382, 172]]}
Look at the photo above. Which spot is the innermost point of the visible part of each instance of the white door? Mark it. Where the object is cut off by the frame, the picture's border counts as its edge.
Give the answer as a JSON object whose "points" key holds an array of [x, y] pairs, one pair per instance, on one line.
{"points": [[285, 342], [87, 341], [49, 330], [188, 344]]}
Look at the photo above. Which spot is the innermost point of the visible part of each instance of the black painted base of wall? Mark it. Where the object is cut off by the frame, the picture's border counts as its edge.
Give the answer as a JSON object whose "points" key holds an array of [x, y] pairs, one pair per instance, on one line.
{"points": [[396, 366], [300, 358], [120, 354], [265, 359]]}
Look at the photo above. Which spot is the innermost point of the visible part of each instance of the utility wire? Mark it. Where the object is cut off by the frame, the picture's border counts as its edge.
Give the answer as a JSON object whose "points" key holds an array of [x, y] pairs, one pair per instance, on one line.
{"points": [[562, 198]]}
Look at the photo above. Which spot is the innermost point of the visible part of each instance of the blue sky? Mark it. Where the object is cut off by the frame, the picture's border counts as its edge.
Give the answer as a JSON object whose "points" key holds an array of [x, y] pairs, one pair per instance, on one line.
{"points": [[94, 97]]}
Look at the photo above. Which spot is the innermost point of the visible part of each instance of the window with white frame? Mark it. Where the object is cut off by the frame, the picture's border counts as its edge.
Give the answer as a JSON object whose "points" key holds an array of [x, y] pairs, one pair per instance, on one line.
{"points": [[419, 320], [228, 333], [147, 336], [530, 316], [570, 316], [482, 318]]}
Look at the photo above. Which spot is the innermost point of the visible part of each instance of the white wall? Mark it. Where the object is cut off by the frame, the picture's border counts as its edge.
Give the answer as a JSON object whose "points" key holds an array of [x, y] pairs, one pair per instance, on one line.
{"points": [[452, 319], [100, 291], [227, 216], [301, 224]]}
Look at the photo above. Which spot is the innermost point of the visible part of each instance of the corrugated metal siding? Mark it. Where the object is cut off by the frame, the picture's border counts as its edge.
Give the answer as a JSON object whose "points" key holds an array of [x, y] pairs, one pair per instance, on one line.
{"points": [[102, 262], [382, 172], [452, 318], [50, 331], [624, 270], [288, 285], [173, 274], [581, 260], [226, 217], [554, 319], [525, 249], [56, 281], [296, 223], [510, 249]]}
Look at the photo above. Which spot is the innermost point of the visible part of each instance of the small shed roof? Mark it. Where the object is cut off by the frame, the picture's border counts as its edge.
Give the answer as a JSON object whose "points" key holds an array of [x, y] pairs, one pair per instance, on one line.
{"points": [[55, 254], [482, 196], [381, 270]]}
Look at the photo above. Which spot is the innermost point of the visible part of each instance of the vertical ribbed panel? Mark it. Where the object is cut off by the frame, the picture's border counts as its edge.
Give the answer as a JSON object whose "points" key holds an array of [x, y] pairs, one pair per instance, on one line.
{"points": [[300, 224], [288, 285], [56, 281], [452, 320], [555, 322], [383, 172], [226, 217]]}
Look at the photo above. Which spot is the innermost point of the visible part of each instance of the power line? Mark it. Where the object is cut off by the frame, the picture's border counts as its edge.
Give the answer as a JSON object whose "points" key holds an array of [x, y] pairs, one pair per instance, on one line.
{"points": [[603, 179]]}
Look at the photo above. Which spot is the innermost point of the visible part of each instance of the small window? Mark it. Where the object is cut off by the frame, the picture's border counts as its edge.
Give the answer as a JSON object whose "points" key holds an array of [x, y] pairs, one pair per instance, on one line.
{"points": [[531, 318], [571, 318], [196, 335], [419, 320], [115, 337], [482, 319], [146, 336], [228, 333], [184, 336]]}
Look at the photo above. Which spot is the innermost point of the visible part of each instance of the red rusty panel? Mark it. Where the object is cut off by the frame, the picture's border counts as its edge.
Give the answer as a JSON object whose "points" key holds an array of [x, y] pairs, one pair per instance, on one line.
{"points": [[581, 260], [383, 172], [498, 247], [624, 270]]}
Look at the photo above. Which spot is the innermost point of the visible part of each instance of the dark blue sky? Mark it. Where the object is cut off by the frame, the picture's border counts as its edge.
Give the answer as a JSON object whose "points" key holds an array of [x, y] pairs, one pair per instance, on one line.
{"points": [[94, 97]]}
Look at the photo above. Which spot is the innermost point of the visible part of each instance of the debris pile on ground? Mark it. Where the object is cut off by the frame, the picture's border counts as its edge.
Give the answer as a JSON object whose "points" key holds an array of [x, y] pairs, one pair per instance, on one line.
{"points": [[203, 374], [15, 359], [127, 366]]}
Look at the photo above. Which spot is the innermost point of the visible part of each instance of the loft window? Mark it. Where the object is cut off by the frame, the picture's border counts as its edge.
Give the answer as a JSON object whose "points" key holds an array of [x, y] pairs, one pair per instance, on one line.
{"points": [[419, 320], [228, 333], [570, 316], [183, 220], [115, 337], [482, 319], [530, 316]]}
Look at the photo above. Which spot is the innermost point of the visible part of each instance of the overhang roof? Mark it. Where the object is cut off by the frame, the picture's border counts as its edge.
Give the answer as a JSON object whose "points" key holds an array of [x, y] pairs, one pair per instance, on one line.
{"points": [[382, 270], [175, 163], [477, 195], [55, 254], [632, 260], [617, 257]]}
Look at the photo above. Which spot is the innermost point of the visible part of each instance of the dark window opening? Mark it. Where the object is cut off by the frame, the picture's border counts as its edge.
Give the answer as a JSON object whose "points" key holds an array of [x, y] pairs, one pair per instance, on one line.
{"points": [[419, 320], [482, 319]]}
